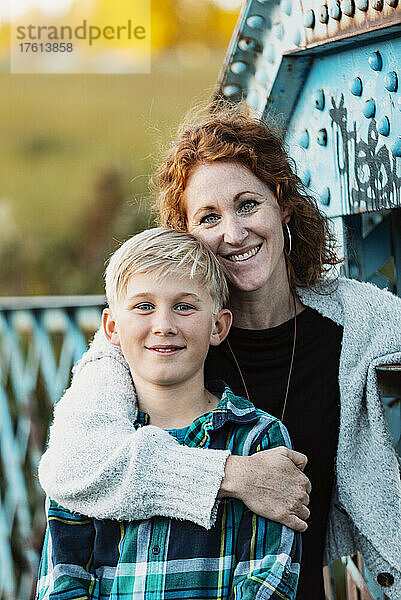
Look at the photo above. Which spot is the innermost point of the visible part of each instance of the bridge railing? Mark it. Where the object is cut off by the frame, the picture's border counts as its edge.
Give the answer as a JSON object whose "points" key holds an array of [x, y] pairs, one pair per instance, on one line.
{"points": [[40, 339]]}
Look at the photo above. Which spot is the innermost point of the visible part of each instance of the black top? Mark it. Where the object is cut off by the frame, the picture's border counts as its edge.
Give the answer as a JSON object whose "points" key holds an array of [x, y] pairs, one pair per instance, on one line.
{"points": [[312, 413]]}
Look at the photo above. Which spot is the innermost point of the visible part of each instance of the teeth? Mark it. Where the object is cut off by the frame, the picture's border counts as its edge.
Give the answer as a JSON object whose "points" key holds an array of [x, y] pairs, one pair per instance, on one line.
{"points": [[240, 257], [166, 350]]}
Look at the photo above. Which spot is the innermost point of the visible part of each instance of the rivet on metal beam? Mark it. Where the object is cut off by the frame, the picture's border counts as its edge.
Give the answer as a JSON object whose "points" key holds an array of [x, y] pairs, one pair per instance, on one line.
{"points": [[304, 139], [385, 579], [396, 147], [325, 197], [383, 126], [369, 110], [279, 31], [324, 14], [269, 53], [375, 61], [238, 67], [391, 81], [392, 3], [318, 99], [348, 7], [297, 39], [377, 4], [306, 177], [247, 44], [231, 90], [256, 22], [261, 77], [362, 4], [309, 19], [355, 87], [335, 10], [322, 137], [286, 5]]}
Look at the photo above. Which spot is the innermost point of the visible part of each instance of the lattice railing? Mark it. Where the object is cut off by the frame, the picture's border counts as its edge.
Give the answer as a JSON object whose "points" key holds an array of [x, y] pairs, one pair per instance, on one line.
{"points": [[40, 339]]}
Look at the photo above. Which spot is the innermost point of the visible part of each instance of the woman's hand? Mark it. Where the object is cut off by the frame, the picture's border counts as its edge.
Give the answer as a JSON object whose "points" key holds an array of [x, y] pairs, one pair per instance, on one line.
{"points": [[271, 483]]}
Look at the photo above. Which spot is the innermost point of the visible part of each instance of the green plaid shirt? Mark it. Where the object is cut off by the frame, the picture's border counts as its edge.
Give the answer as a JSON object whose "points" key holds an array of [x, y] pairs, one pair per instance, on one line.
{"points": [[243, 556]]}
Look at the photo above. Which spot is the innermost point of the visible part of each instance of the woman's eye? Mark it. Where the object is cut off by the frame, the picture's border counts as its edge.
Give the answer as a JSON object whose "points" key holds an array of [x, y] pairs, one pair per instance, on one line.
{"points": [[145, 306], [184, 307], [247, 206], [210, 219]]}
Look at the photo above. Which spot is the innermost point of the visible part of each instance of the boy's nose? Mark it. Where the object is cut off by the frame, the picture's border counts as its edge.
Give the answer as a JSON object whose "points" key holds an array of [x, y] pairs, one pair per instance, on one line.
{"points": [[164, 330], [164, 326]]}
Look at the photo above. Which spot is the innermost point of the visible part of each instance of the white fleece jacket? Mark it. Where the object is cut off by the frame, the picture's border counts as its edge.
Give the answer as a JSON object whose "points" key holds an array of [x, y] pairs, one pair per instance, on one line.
{"points": [[98, 465]]}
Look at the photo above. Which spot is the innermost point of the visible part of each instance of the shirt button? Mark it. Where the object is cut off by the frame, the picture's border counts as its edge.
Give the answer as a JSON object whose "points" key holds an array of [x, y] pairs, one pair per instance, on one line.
{"points": [[385, 579], [156, 550]]}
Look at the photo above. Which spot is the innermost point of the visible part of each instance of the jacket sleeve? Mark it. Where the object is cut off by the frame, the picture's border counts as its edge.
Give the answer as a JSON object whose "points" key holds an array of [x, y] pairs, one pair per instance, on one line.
{"points": [[98, 464], [65, 565], [268, 554]]}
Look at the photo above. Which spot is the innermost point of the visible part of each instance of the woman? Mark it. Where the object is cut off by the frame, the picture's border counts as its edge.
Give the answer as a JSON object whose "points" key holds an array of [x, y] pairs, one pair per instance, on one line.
{"points": [[303, 348]]}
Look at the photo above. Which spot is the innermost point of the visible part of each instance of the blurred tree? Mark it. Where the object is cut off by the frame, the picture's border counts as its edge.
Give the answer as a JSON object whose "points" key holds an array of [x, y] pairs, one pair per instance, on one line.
{"points": [[172, 21]]}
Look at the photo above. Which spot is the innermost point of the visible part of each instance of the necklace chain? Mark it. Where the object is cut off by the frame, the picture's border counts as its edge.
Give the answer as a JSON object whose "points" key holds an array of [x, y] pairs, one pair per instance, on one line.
{"points": [[291, 361]]}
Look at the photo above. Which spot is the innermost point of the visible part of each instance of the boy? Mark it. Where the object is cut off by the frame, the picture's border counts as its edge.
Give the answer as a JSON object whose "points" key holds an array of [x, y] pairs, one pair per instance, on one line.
{"points": [[166, 295]]}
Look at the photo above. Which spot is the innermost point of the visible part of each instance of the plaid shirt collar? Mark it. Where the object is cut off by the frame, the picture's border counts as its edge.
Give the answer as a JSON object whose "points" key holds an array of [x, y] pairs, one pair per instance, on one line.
{"points": [[231, 408]]}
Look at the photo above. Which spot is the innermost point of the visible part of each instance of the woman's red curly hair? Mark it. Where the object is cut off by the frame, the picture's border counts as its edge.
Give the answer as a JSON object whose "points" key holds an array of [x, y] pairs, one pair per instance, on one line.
{"points": [[234, 133]]}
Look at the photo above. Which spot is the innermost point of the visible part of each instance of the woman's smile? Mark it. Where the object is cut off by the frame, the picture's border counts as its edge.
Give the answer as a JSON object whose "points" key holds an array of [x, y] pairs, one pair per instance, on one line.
{"points": [[246, 254]]}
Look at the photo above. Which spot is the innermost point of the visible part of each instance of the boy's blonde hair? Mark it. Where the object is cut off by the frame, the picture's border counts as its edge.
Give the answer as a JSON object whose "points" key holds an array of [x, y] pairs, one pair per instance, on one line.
{"points": [[165, 252]]}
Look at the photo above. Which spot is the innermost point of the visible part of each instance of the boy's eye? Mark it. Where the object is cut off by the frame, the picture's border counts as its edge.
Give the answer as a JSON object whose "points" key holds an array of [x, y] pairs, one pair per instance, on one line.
{"points": [[184, 307], [209, 219], [144, 306]]}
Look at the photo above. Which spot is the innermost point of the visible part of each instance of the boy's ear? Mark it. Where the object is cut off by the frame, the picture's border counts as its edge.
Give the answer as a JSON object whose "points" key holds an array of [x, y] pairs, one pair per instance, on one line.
{"points": [[221, 326], [110, 327]]}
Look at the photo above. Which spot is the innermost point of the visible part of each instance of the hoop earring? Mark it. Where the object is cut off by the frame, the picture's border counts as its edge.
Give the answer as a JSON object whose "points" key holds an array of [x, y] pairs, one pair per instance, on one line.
{"points": [[289, 239]]}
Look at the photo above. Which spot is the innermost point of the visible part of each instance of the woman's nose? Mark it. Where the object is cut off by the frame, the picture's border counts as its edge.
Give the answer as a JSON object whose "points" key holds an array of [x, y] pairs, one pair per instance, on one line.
{"points": [[234, 232]]}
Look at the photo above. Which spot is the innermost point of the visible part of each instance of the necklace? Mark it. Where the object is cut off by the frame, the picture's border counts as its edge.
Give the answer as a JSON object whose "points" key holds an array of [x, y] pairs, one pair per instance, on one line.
{"points": [[294, 340]]}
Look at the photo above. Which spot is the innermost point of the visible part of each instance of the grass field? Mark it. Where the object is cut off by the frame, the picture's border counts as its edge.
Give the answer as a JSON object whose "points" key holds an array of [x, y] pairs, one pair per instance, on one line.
{"points": [[64, 138]]}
